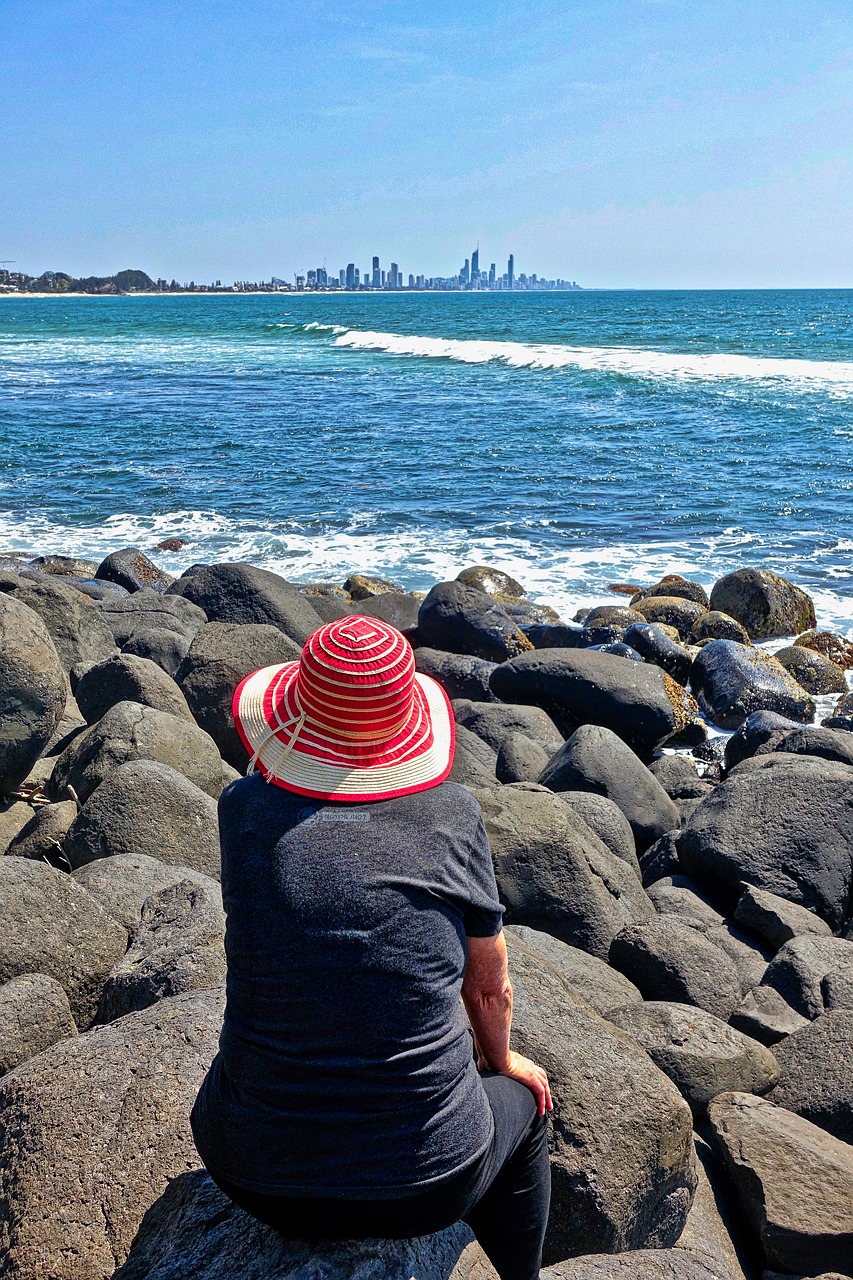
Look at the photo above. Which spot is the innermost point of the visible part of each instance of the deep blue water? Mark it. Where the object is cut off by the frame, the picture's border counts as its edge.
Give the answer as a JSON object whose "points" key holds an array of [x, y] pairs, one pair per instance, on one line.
{"points": [[571, 438]]}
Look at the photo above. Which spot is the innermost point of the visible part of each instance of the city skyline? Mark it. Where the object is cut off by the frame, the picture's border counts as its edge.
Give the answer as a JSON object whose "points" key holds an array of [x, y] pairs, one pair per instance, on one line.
{"points": [[469, 277]]}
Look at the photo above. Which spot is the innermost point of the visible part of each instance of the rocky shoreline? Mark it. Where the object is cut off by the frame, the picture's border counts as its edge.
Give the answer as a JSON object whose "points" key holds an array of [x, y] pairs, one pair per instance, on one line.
{"points": [[670, 811]]}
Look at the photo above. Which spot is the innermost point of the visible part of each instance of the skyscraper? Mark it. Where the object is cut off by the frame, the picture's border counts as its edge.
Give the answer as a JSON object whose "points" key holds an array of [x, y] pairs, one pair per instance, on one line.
{"points": [[510, 271], [350, 275], [492, 276], [394, 281], [377, 279], [475, 266], [465, 273]]}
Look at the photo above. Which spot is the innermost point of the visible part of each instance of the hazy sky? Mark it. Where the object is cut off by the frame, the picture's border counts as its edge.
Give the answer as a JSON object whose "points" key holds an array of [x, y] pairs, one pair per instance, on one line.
{"points": [[640, 143]]}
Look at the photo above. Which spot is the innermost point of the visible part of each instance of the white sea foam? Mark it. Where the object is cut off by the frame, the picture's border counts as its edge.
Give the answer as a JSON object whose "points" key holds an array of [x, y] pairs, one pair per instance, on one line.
{"points": [[629, 361]]}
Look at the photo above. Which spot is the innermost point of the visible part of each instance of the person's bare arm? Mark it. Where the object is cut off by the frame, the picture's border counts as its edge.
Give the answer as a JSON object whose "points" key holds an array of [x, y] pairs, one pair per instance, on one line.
{"points": [[487, 996]]}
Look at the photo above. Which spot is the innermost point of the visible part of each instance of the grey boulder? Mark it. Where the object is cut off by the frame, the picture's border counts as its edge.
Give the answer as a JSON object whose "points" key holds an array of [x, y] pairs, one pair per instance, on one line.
{"points": [[758, 735], [43, 837], [811, 670], [123, 883], [474, 761], [670, 960], [599, 985], [812, 740], [167, 648], [146, 610], [520, 759], [32, 691], [462, 619], [34, 1014], [767, 1016], [241, 593], [459, 674], [801, 966], [776, 919], [74, 623], [817, 1073], [125, 678], [607, 820], [640, 1264], [732, 680], [130, 568], [494, 721], [766, 604]]}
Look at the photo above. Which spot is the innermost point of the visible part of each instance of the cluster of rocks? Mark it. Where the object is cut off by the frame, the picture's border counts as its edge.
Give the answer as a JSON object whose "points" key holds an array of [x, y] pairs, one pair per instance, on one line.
{"points": [[679, 913]]}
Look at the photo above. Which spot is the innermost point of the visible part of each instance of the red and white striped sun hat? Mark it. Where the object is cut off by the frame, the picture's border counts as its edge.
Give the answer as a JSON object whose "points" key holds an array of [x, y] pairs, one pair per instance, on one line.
{"points": [[351, 720]]}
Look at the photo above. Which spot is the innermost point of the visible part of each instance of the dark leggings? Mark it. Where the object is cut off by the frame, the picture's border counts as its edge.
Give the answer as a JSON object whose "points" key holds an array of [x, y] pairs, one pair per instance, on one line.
{"points": [[504, 1196]]}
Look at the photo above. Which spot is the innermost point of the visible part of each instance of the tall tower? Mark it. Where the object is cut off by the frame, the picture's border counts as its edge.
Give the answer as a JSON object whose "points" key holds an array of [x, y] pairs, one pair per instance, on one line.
{"points": [[492, 276], [465, 273], [377, 279], [510, 270], [350, 275], [475, 266]]}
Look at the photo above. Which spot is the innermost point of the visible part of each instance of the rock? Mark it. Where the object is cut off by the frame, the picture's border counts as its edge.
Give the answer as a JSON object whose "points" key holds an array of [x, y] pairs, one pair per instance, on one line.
{"points": [[714, 625], [811, 670], [674, 611], [325, 591], [494, 721], [399, 609], [75, 625], [765, 604], [241, 593], [700, 1054], [748, 954], [758, 735], [462, 619], [680, 896], [167, 648], [171, 544], [715, 1229], [106, 1114], [640, 703], [459, 675], [48, 924], [794, 1182], [609, 823], [145, 807], [621, 1145], [679, 777], [800, 966], [128, 732], [65, 566], [328, 608], [97, 591], [660, 860], [669, 960], [558, 636], [70, 724], [123, 883], [619, 650], [776, 919], [766, 1016], [554, 873], [786, 825], [599, 985], [42, 839], [838, 649], [653, 646], [731, 681], [640, 1264], [146, 610], [194, 1232], [612, 615], [520, 759], [178, 946], [124, 678], [810, 740], [364, 586], [595, 759], [220, 656], [14, 817], [474, 761], [34, 1014], [674, 586], [816, 1063], [32, 691], [493, 581], [132, 569]]}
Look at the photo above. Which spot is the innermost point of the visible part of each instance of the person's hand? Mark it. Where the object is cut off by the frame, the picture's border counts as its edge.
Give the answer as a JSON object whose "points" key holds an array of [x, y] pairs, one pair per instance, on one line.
{"points": [[533, 1076]]}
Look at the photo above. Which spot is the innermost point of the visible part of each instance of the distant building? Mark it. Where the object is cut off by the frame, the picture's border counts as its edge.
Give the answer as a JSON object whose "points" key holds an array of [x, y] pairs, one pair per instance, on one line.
{"points": [[342, 278], [475, 267], [377, 281], [492, 276], [350, 275], [465, 273], [510, 272], [394, 277], [411, 281]]}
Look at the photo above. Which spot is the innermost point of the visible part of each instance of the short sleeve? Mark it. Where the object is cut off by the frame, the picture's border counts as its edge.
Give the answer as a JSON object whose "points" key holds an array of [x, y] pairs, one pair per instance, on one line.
{"points": [[483, 913]]}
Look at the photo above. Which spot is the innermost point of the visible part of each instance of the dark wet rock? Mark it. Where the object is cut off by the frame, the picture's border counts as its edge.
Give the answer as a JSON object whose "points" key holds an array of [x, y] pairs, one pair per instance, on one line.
{"points": [[474, 761], [673, 586], [128, 732], [765, 604], [241, 593], [766, 1016], [554, 873], [800, 966], [493, 581], [124, 678], [621, 1144], [49, 924], [97, 591], [32, 691], [731, 681], [171, 544], [619, 650], [811, 740], [526, 613], [595, 759], [640, 1264], [599, 985], [65, 566], [461, 619], [612, 615], [785, 825], [219, 658], [794, 1182], [669, 960], [816, 1063], [178, 946], [14, 817], [74, 623], [494, 721], [712, 751], [144, 806], [329, 609], [640, 703], [545, 636], [364, 586], [598, 637], [714, 625], [167, 648], [459, 675], [520, 759], [608, 822], [42, 839], [679, 777], [758, 735], [811, 670], [106, 1114], [34, 1014], [674, 611], [653, 646], [837, 649], [324, 591], [130, 568], [194, 1232], [146, 610], [700, 1053], [660, 860], [776, 919], [124, 882], [398, 609]]}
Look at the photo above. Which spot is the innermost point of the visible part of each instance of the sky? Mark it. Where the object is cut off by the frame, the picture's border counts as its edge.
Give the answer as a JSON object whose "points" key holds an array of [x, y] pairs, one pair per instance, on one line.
{"points": [[619, 143]]}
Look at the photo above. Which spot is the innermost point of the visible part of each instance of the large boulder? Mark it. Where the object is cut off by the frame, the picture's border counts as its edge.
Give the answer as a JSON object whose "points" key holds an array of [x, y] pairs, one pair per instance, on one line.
{"points": [[240, 593], [714, 625], [123, 883], [811, 740], [493, 581], [130, 568], [43, 837], [608, 822], [32, 691], [800, 967], [639, 702], [811, 670], [146, 610], [459, 674], [776, 919], [144, 807], [700, 1053], [49, 924], [596, 759], [178, 946], [673, 585], [786, 825], [367, 586], [220, 656], [715, 1229], [474, 761], [130, 731], [671, 611], [655, 646], [93, 1130], [621, 1142], [124, 678], [463, 619], [167, 648], [494, 721], [194, 1232], [816, 1065], [759, 734], [767, 605], [598, 984], [794, 1183], [399, 609], [554, 873], [34, 1014], [520, 759], [767, 1016], [670, 960], [641, 1264], [74, 623], [731, 681]]}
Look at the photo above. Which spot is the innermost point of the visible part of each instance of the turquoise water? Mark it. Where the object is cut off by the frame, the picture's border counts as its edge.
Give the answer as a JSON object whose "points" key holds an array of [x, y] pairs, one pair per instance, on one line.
{"points": [[572, 439]]}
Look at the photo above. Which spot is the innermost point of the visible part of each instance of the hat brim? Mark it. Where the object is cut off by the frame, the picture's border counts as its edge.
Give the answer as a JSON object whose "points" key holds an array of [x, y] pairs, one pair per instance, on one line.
{"points": [[306, 775]]}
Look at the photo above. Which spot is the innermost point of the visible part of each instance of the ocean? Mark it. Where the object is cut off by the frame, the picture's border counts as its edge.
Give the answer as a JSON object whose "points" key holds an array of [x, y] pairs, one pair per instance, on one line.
{"points": [[572, 439]]}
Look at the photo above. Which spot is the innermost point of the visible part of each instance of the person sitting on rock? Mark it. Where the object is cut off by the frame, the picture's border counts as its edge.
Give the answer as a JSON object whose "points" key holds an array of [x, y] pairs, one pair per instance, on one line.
{"points": [[345, 1101]]}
